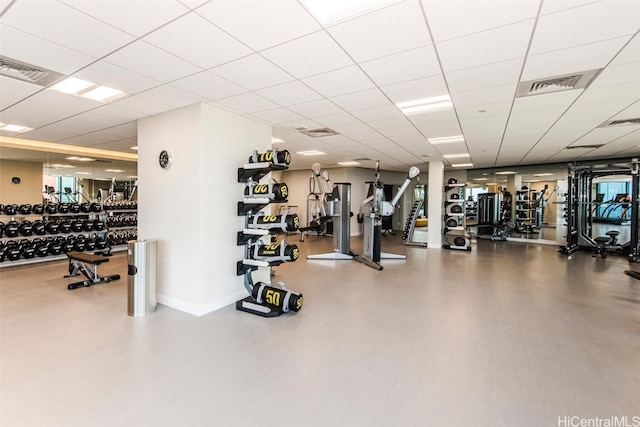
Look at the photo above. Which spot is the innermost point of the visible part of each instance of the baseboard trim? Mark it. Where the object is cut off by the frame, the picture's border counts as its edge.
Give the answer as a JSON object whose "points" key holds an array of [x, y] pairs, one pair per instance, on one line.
{"points": [[200, 310]]}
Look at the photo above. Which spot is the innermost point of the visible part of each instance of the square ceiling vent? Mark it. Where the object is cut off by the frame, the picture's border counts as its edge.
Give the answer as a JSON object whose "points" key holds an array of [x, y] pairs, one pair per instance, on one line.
{"points": [[317, 133], [26, 72], [554, 84], [621, 122]]}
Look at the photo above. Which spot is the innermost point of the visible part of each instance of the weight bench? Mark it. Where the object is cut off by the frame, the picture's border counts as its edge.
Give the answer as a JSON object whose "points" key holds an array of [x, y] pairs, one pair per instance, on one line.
{"points": [[87, 264]]}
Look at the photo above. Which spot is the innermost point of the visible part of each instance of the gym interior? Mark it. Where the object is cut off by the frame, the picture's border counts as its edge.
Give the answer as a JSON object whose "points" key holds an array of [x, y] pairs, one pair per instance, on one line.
{"points": [[293, 213]]}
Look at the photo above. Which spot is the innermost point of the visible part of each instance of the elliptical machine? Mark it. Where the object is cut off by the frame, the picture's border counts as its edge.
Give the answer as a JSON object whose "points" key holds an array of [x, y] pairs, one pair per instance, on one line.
{"points": [[372, 210]]}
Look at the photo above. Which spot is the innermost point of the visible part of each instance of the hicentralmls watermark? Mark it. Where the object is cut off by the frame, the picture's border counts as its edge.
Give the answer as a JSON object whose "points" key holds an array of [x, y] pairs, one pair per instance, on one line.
{"points": [[615, 421]]}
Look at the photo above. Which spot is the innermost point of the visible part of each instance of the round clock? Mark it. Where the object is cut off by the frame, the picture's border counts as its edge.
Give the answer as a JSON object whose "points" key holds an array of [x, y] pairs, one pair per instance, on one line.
{"points": [[165, 159]]}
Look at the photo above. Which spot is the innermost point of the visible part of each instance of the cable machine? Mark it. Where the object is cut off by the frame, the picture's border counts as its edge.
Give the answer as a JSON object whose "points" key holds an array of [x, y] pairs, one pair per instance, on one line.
{"points": [[580, 213]]}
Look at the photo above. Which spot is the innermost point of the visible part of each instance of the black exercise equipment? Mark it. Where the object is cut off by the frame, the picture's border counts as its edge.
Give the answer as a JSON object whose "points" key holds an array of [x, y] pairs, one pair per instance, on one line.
{"points": [[85, 207], [25, 228], [87, 225], [25, 209], [39, 227], [11, 229], [284, 223], [274, 191], [279, 298], [76, 225], [275, 254], [64, 227], [51, 208], [53, 227], [74, 208], [631, 273], [38, 209], [87, 265], [95, 207], [11, 210], [63, 208]]}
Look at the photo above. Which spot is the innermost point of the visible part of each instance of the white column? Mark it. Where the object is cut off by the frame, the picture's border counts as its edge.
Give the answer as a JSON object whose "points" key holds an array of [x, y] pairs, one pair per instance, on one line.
{"points": [[436, 182], [190, 207]]}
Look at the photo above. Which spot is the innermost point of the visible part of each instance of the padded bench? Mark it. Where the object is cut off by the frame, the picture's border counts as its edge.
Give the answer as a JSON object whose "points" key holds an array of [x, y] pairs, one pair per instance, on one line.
{"points": [[87, 264]]}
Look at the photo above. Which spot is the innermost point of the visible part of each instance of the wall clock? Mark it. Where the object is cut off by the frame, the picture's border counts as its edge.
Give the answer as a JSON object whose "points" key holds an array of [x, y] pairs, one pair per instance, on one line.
{"points": [[165, 159]]}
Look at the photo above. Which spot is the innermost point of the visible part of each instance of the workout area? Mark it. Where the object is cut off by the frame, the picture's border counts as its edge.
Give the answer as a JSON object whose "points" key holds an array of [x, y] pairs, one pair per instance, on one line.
{"points": [[292, 213]]}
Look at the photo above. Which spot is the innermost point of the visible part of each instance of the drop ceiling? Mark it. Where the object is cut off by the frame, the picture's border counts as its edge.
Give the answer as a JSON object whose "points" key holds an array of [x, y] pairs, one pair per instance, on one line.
{"points": [[273, 62]]}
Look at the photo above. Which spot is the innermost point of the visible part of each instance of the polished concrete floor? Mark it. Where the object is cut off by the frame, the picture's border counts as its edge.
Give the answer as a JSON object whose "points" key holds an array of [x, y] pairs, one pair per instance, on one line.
{"points": [[510, 334]]}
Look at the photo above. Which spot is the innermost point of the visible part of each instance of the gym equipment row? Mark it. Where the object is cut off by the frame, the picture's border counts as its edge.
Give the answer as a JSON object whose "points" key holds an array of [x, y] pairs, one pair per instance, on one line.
{"points": [[39, 227], [580, 212], [320, 187], [14, 250], [410, 225], [50, 209], [121, 221], [454, 231], [125, 205], [337, 205], [265, 299]]}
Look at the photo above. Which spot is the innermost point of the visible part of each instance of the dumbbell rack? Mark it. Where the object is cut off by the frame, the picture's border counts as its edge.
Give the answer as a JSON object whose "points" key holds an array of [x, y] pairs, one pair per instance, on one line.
{"points": [[122, 223], [251, 174], [31, 245], [454, 223], [410, 225]]}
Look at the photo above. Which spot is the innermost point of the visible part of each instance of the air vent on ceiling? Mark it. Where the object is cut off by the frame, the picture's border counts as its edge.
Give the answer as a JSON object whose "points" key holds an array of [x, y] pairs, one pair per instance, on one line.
{"points": [[362, 159], [584, 147], [27, 72], [316, 133], [624, 122], [554, 84]]}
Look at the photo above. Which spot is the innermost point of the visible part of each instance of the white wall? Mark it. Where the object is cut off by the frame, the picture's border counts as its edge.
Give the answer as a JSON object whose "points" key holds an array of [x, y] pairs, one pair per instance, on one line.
{"points": [[190, 208]]}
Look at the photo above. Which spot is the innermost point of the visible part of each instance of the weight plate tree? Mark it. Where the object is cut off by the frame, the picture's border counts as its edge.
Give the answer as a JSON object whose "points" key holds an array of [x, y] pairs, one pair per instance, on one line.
{"points": [[454, 220], [265, 299]]}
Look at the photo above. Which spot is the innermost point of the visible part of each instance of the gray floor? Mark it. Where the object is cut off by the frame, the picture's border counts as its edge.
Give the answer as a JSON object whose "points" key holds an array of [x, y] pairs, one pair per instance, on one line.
{"points": [[510, 334]]}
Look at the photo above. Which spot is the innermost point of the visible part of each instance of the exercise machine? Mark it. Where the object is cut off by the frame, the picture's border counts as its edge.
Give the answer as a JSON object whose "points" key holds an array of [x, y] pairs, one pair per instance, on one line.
{"points": [[87, 265], [372, 210], [317, 219], [580, 213], [338, 208]]}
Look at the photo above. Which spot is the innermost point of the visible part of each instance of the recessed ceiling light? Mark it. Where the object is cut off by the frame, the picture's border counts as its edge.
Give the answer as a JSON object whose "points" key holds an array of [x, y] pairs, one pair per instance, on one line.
{"points": [[506, 173], [330, 12], [133, 177], [83, 173], [134, 148], [103, 93], [350, 163], [275, 140], [72, 85], [113, 170], [86, 89], [543, 174], [14, 128], [311, 153], [435, 103], [463, 165], [81, 159], [481, 179], [446, 139], [455, 156], [61, 166]]}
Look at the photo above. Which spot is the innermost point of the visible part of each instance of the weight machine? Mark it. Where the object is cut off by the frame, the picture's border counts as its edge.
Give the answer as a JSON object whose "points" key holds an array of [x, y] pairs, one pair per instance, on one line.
{"points": [[372, 210], [317, 219], [580, 215]]}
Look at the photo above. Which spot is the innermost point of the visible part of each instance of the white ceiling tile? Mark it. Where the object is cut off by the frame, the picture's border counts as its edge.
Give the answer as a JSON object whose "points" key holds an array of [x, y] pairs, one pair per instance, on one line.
{"points": [[277, 115], [486, 47], [390, 123], [485, 110], [552, 6], [434, 118], [193, 4], [54, 132], [173, 96], [376, 34], [146, 59], [110, 75], [289, 93], [142, 105], [408, 65], [209, 45], [208, 85], [319, 108], [572, 60], [484, 96], [630, 53], [447, 22], [359, 100], [548, 101], [606, 135], [629, 112], [252, 72], [248, 103], [339, 82], [134, 17], [617, 75], [309, 55], [587, 24], [65, 26], [300, 123], [352, 128], [485, 76], [261, 24], [13, 90], [378, 113], [416, 89], [338, 119], [34, 50]]}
